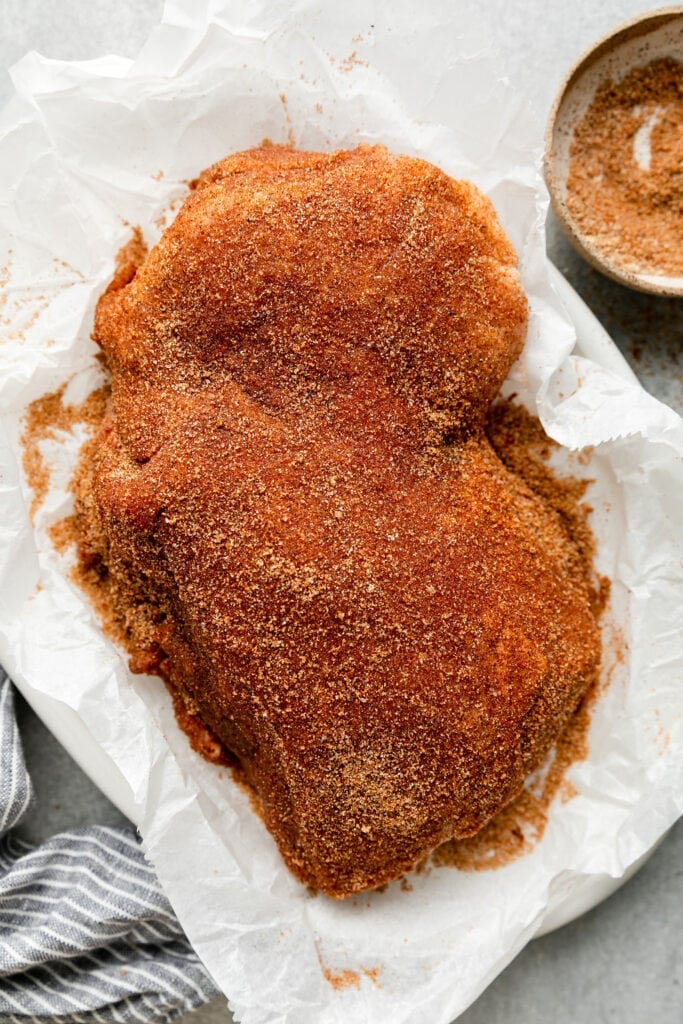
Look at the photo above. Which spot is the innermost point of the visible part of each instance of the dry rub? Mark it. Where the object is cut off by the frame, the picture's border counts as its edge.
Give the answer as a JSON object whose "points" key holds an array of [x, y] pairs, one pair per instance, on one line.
{"points": [[300, 523]]}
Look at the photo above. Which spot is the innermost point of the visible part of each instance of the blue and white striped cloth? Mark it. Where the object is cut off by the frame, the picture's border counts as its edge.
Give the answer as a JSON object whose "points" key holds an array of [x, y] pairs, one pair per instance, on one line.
{"points": [[86, 934]]}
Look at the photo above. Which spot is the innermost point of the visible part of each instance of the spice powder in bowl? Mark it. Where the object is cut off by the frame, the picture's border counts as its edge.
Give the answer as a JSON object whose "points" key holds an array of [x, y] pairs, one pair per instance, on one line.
{"points": [[625, 182], [614, 154]]}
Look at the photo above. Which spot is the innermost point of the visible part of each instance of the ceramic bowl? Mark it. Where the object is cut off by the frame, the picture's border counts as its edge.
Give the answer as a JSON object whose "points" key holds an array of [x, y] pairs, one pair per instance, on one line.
{"points": [[636, 43]]}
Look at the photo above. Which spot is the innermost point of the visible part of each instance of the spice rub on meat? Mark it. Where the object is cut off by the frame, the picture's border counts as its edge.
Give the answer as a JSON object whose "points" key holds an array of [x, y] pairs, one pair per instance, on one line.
{"points": [[300, 522]]}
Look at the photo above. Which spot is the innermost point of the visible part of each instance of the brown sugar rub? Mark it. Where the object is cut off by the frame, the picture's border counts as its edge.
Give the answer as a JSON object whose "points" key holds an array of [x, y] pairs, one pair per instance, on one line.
{"points": [[298, 518], [631, 209]]}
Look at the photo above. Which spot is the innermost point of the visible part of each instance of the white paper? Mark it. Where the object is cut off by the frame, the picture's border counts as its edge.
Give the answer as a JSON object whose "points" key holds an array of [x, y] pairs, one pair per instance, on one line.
{"points": [[81, 151]]}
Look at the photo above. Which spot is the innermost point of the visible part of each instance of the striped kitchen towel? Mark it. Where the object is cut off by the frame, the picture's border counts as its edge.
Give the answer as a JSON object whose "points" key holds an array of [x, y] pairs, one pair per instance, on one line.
{"points": [[86, 934]]}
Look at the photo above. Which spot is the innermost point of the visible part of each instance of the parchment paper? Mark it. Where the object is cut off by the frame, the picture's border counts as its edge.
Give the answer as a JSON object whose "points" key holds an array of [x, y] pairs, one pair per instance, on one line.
{"points": [[89, 149]]}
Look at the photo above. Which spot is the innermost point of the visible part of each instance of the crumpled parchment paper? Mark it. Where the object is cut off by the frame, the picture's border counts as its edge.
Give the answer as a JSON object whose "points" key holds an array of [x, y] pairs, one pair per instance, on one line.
{"points": [[89, 149]]}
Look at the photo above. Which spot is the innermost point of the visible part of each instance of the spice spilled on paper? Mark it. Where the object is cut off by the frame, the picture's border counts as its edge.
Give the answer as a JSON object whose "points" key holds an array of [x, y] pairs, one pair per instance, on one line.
{"points": [[46, 419]]}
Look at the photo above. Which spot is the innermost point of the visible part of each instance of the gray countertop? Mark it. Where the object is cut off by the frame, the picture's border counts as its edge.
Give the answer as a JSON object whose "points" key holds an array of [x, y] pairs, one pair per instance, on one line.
{"points": [[623, 962]]}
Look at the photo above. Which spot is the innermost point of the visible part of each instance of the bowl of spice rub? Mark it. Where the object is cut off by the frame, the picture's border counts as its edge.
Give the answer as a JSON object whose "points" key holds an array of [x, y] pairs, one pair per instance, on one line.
{"points": [[614, 154]]}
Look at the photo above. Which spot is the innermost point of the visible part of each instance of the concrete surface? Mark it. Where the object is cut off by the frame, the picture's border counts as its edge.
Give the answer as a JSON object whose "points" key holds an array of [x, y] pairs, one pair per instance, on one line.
{"points": [[623, 962]]}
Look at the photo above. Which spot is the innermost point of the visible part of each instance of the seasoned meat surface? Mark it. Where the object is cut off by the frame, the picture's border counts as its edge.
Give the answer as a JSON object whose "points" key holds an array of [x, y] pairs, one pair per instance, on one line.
{"points": [[298, 516]]}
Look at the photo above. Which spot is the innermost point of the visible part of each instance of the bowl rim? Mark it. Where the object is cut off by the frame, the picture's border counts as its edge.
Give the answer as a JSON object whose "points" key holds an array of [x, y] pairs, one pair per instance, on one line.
{"points": [[640, 25]]}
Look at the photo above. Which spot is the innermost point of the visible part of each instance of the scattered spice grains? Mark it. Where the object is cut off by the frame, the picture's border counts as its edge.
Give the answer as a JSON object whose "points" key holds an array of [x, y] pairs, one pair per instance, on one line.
{"points": [[45, 418], [351, 979], [625, 182], [63, 534], [342, 979], [373, 973], [51, 418]]}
